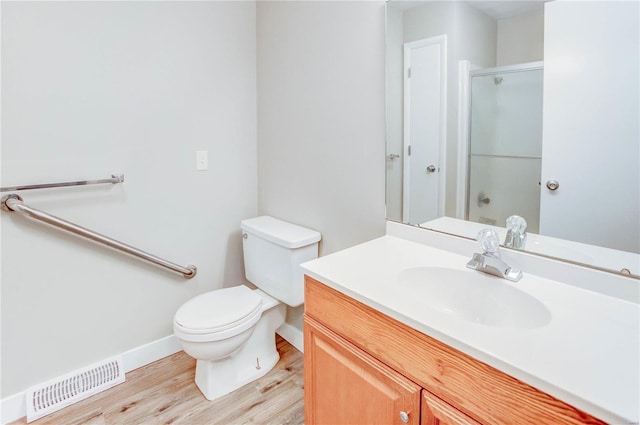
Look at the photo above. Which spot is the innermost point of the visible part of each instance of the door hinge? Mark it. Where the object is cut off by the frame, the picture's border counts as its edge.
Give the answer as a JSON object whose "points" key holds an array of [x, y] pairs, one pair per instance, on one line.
{"points": [[409, 73], [409, 150]]}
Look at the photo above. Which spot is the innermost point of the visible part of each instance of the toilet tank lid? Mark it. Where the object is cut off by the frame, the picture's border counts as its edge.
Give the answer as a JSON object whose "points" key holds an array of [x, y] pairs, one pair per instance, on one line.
{"points": [[280, 232]]}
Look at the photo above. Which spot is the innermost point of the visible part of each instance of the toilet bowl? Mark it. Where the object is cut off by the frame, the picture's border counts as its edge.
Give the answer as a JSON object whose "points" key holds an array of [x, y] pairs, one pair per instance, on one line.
{"points": [[231, 331], [231, 354], [227, 317]]}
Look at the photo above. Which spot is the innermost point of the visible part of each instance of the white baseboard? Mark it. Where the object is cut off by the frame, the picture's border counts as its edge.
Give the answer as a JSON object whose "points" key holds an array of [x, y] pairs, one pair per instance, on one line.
{"points": [[150, 352], [14, 407], [292, 335]]}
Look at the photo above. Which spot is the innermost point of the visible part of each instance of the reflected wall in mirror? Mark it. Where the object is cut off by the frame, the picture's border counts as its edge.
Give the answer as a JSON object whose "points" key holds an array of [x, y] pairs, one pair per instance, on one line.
{"points": [[496, 108]]}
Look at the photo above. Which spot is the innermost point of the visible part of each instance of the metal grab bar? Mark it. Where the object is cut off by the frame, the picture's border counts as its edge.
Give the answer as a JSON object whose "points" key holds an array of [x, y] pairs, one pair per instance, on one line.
{"points": [[115, 178], [14, 203]]}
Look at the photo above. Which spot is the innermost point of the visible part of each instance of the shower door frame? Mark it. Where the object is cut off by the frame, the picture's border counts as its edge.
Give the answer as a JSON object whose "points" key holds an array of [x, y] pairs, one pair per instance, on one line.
{"points": [[508, 69]]}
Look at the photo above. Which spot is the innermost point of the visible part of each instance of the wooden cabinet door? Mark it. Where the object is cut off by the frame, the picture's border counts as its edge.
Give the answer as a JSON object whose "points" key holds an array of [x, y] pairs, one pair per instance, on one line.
{"points": [[438, 412], [344, 385]]}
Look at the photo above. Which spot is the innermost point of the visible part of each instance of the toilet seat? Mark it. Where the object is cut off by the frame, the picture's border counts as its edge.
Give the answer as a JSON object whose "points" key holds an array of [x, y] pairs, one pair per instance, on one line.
{"points": [[217, 315]]}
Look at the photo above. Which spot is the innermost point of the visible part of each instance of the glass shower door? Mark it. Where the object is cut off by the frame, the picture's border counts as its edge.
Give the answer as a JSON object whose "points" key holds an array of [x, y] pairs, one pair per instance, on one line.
{"points": [[505, 146]]}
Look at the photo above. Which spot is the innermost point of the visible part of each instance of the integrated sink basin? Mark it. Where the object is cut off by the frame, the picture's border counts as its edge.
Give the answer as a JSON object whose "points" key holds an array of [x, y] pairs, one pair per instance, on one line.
{"points": [[475, 297]]}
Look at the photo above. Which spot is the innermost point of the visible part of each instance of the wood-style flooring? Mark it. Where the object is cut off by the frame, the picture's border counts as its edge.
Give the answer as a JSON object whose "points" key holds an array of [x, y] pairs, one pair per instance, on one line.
{"points": [[164, 392]]}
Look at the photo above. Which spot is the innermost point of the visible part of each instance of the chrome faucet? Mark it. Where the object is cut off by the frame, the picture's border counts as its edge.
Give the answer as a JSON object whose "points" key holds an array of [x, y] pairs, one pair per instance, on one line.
{"points": [[489, 261], [516, 232]]}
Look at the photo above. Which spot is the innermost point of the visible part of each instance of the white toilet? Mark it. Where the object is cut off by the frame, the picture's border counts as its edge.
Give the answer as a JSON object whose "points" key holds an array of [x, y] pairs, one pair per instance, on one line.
{"points": [[231, 331]]}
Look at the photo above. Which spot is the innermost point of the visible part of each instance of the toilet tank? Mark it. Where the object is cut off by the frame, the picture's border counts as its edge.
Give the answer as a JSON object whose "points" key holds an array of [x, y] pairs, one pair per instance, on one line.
{"points": [[273, 251]]}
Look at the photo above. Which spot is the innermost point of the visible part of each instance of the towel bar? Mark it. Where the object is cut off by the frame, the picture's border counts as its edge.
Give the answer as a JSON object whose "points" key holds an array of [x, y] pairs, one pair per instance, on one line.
{"points": [[115, 178]]}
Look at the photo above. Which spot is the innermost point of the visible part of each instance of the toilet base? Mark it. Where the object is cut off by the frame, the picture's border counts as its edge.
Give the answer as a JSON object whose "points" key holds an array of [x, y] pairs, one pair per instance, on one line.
{"points": [[216, 380], [257, 357]]}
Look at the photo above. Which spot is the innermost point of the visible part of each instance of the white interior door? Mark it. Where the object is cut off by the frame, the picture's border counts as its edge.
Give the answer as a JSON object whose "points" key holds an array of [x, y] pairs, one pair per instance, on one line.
{"points": [[424, 129], [591, 128]]}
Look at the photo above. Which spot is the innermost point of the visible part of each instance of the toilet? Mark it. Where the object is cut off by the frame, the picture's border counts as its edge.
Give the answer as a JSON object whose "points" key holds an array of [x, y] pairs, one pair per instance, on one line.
{"points": [[231, 331]]}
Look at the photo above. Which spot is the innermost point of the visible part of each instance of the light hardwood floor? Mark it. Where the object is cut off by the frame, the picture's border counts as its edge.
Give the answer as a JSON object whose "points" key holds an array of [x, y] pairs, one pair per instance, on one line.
{"points": [[163, 392]]}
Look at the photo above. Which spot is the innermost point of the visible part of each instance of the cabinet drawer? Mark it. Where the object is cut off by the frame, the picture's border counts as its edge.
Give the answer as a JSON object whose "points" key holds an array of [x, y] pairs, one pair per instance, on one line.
{"points": [[477, 389]]}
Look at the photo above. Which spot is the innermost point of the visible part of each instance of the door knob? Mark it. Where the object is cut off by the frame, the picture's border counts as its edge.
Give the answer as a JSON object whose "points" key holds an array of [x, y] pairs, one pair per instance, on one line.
{"points": [[552, 184], [431, 169], [404, 417], [483, 199]]}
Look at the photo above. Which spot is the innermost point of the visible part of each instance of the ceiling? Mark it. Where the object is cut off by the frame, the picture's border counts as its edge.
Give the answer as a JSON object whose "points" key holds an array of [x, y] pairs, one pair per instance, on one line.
{"points": [[496, 9], [507, 9]]}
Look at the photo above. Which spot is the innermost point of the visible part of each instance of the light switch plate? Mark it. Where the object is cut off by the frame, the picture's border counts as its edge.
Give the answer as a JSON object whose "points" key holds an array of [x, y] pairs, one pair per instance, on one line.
{"points": [[202, 160]]}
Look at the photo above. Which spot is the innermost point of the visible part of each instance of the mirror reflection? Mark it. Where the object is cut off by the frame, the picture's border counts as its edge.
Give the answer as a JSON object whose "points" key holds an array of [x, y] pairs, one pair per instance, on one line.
{"points": [[505, 145], [500, 108]]}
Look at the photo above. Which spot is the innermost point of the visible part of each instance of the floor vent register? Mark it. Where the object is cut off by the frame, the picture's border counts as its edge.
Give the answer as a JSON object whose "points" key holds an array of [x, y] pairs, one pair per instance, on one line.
{"points": [[60, 392]]}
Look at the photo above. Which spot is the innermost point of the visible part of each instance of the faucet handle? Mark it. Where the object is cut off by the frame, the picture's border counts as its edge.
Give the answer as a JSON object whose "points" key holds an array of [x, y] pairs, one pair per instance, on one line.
{"points": [[517, 224], [516, 232], [489, 241]]}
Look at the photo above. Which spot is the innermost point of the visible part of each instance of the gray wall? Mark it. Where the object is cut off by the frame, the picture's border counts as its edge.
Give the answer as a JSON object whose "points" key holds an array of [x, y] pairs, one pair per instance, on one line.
{"points": [[520, 39], [91, 88], [321, 117], [394, 99]]}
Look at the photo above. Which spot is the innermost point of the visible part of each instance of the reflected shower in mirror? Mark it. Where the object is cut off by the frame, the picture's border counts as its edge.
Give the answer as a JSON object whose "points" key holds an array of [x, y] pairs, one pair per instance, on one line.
{"points": [[501, 108], [505, 145]]}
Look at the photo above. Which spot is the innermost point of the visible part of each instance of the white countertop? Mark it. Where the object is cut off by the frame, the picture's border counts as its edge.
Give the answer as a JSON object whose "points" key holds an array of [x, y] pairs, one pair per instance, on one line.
{"points": [[588, 355]]}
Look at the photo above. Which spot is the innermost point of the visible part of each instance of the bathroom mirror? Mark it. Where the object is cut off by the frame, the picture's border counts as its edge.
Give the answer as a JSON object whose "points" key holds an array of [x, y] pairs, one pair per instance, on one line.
{"points": [[500, 108]]}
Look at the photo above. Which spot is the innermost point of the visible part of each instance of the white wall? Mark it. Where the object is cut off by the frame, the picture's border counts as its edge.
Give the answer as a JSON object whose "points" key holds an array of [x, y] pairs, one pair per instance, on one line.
{"points": [[520, 39], [91, 88], [321, 118]]}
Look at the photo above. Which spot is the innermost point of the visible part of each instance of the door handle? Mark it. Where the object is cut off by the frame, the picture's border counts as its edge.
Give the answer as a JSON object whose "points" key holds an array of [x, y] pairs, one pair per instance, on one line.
{"points": [[431, 169], [552, 184]]}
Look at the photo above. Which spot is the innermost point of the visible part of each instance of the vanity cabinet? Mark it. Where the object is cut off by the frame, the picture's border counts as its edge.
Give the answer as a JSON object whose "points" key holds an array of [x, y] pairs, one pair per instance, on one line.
{"points": [[363, 367]]}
